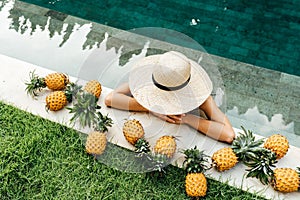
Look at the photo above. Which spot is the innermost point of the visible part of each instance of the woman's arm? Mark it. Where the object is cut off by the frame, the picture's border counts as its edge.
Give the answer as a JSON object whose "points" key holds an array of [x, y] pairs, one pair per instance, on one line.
{"points": [[213, 129], [217, 125], [121, 99]]}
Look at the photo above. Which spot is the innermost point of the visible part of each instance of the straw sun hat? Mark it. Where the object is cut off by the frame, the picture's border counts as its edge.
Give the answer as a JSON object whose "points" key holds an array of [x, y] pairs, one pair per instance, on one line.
{"points": [[169, 83]]}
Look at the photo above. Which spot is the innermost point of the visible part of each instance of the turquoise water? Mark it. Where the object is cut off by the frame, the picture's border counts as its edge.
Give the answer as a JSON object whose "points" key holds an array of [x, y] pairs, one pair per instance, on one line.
{"points": [[259, 32]]}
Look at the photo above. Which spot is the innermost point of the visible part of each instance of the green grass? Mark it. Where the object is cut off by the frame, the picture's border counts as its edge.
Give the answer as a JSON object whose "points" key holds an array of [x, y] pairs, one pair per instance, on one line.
{"points": [[40, 159]]}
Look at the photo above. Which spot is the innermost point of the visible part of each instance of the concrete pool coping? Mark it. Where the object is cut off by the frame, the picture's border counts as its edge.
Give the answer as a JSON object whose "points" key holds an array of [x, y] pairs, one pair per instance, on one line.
{"points": [[15, 72]]}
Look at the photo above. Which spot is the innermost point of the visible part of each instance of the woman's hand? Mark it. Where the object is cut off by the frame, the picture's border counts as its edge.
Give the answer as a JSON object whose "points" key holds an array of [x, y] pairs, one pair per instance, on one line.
{"points": [[174, 119]]}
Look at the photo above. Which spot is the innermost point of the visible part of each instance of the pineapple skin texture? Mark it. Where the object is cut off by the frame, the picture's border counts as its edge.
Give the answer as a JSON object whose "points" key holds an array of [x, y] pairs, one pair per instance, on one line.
{"points": [[96, 143], [165, 145], [56, 81], [224, 159], [286, 180], [195, 185], [56, 100], [93, 87], [133, 130], [278, 144]]}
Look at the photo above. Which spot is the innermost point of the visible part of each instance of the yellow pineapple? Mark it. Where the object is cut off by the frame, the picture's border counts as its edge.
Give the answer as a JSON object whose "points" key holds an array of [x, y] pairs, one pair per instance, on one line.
{"points": [[242, 149], [96, 143], [281, 179], [93, 87], [56, 100], [54, 81], [165, 145], [278, 144], [133, 131], [195, 185], [195, 166], [224, 159], [286, 180]]}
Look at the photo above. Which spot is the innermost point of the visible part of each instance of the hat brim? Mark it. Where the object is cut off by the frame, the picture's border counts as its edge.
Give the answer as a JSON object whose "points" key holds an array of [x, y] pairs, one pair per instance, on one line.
{"points": [[168, 102]]}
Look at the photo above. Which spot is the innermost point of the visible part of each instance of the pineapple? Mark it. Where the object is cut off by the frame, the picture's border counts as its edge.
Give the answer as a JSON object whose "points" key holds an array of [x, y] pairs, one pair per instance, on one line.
{"points": [[54, 81], [278, 144], [242, 149], [195, 185], [165, 145], [195, 166], [286, 180], [224, 159], [93, 87], [281, 179], [133, 131], [57, 100], [164, 150], [96, 143], [87, 112]]}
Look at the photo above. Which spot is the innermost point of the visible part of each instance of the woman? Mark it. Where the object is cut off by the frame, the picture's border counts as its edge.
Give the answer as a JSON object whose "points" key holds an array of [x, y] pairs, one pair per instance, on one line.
{"points": [[169, 86]]}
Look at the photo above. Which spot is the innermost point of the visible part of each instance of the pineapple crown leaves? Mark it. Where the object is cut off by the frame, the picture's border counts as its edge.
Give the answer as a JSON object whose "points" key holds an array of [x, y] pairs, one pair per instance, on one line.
{"points": [[84, 110], [159, 161], [36, 84], [156, 161], [142, 146], [245, 146], [261, 166], [102, 122], [71, 91], [195, 161]]}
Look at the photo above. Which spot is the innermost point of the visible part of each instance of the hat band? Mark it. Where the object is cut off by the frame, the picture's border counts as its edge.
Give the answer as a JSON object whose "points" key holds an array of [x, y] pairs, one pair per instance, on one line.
{"points": [[163, 87]]}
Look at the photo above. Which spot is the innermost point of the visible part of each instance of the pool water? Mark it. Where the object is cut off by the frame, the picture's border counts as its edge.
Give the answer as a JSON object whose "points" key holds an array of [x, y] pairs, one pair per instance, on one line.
{"points": [[260, 32]]}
